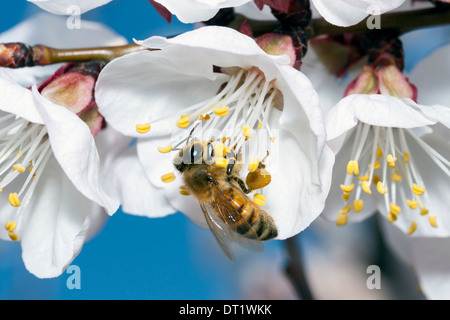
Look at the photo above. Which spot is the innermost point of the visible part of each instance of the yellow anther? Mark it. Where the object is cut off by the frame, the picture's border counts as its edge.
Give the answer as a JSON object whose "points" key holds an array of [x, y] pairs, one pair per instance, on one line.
{"points": [[19, 167], [185, 193], [396, 176], [379, 152], [341, 219], [259, 202], [31, 168], [405, 157], [358, 205], [395, 209], [260, 196], [165, 150], [260, 126], [168, 177], [253, 164], [417, 190], [432, 220], [376, 165], [348, 188], [221, 162], [14, 200], [375, 179], [391, 160], [345, 209], [366, 187], [411, 204], [246, 131], [412, 228], [345, 196], [353, 168], [183, 122], [204, 117], [13, 236], [380, 188], [392, 217], [424, 211], [8, 225], [143, 128], [364, 178], [272, 139], [221, 111], [11, 226]]}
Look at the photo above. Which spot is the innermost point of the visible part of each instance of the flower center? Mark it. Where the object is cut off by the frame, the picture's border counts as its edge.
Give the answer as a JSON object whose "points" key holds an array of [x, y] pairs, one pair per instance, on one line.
{"points": [[236, 118], [24, 151], [380, 157]]}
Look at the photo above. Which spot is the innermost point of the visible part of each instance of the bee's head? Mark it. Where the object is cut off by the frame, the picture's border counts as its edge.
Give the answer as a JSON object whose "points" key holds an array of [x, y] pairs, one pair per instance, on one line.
{"points": [[192, 153]]}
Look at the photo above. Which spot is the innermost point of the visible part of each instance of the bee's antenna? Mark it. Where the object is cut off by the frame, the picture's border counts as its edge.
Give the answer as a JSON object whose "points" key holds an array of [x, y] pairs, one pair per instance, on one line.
{"points": [[191, 133]]}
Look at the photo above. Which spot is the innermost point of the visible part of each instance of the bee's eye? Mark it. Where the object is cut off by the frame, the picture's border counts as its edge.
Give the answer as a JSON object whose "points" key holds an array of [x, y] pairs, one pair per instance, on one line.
{"points": [[196, 153]]}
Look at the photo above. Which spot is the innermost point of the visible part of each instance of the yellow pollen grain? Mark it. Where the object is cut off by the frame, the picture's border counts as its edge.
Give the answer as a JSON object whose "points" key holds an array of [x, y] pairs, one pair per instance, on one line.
{"points": [[260, 196], [366, 187], [396, 176], [19, 167], [221, 111], [391, 217], [169, 177], [246, 131], [412, 228], [424, 211], [31, 168], [411, 203], [432, 220], [183, 122], [341, 220], [376, 165], [353, 168], [204, 117], [375, 179], [10, 226], [364, 178], [221, 162], [253, 164], [260, 126], [259, 202], [185, 193], [348, 188], [391, 160], [14, 199], [165, 150], [345, 209], [379, 152], [380, 188], [405, 157], [220, 150], [13, 236], [272, 139], [358, 205], [346, 196], [143, 128], [417, 190], [395, 209]]}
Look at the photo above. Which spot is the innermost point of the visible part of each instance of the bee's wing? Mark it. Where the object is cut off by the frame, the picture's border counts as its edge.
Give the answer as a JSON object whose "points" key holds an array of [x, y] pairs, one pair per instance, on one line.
{"points": [[218, 228], [234, 221]]}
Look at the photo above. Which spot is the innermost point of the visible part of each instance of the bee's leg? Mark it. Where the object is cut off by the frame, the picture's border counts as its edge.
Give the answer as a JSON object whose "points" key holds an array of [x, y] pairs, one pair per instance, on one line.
{"points": [[241, 184]]}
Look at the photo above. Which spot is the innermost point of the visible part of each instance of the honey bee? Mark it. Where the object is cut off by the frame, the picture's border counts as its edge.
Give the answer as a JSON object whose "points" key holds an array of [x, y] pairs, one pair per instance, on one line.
{"points": [[230, 214]]}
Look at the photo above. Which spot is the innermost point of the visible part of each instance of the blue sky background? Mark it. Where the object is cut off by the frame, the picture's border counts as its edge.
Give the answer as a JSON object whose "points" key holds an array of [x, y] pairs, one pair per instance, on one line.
{"points": [[171, 258]]}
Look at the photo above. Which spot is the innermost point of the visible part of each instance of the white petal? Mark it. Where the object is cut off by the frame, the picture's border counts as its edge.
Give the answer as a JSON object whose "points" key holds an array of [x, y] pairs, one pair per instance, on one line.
{"points": [[293, 181], [55, 224], [17, 100], [68, 7], [345, 13], [190, 11], [74, 147], [374, 109], [430, 78], [147, 93], [127, 181]]}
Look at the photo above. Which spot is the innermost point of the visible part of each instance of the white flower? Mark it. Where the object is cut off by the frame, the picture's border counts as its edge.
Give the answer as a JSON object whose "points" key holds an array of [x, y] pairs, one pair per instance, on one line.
{"points": [[345, 13], [68, 7], [190, 11], [218, 80], [50, 166]]}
